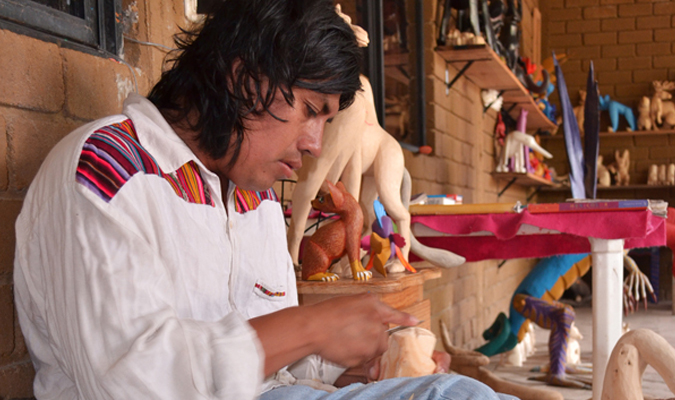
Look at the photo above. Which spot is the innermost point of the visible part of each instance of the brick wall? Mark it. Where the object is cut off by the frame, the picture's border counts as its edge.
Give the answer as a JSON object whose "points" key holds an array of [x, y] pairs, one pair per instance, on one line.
{"points": [[629, 41], [467, 298], [631, 44], [46, 91]]}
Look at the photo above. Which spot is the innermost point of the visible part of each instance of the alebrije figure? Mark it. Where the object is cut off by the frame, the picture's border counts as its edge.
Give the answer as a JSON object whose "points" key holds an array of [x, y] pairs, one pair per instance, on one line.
{"points": [[334, 240], [385, 243], [615, 109]]}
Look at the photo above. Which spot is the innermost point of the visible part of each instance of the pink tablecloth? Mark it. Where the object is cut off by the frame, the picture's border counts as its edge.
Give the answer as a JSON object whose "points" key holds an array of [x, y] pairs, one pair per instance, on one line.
{"points": [[639, 228]]}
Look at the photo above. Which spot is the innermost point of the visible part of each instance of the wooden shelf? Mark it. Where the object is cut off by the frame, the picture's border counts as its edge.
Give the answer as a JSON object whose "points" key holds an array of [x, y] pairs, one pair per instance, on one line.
{"points": [[522, 179], [560, 135], [489, 72], [560, 188]]}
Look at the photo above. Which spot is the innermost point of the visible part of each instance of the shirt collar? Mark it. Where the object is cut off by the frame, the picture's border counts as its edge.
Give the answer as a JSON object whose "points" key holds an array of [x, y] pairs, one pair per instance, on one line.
{"points": [[156, 135]]}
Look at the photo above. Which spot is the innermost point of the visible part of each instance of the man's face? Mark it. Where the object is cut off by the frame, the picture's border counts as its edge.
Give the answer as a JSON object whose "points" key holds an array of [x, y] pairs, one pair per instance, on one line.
{"points": [[272, 149]]}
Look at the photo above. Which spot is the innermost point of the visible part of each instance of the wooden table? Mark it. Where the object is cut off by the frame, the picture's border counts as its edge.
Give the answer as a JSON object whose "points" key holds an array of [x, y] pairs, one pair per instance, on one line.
{"points": [[403, 291], [604, 234]]}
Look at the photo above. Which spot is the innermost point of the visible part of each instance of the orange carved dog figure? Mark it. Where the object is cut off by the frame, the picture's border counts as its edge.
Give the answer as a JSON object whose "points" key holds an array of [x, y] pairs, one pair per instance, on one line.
{"points": [[336, 239]]}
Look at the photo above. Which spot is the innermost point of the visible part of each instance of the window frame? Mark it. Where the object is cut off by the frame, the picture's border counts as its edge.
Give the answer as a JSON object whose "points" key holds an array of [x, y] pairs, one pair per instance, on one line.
{"points": [[99, 29]]}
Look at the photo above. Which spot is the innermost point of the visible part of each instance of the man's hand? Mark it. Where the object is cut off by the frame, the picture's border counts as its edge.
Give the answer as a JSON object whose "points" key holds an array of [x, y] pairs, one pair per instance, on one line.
{"points": [[346, 330], [353, 328]]}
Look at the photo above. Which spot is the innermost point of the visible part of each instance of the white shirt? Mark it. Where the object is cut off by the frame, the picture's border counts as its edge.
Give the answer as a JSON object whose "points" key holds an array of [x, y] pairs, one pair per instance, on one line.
{"points": [[138, 293]]}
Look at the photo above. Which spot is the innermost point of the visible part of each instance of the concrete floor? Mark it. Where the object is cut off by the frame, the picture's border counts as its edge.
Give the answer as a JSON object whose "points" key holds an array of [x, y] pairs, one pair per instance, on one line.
{"points": [[658, 318]]}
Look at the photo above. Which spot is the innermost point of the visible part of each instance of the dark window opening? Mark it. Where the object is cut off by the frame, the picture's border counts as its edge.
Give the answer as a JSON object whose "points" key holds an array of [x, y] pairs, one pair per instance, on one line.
{"points": [[93, 23]]}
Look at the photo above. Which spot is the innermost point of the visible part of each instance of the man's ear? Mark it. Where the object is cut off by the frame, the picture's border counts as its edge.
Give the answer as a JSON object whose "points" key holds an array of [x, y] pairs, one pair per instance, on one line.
{"points": [[336, 193]]}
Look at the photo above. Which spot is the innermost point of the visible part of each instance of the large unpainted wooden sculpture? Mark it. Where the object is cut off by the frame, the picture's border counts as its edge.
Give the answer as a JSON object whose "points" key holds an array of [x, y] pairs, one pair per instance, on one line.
{"points": [[332, 241], [369, 161], [632, 354]]}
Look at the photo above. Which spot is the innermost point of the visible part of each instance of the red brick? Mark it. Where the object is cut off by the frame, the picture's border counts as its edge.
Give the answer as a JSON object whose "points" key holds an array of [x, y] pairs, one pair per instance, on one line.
{"points": [[618, 24], [649, 75], [600, 12], [630, 10], [600, 38], [653, 49], [664, 8], [568, 40], [32, 73], [583, 52], [583, 26], [633, 90], [664, 35], [9, 210], [16, 380], [620, 50], [556, 3], [602, 64], [566, 14], [616, 77], [556, 28], [6, 320], [653, 22], [96, 86], [581, 3], [661, 153], [32, 135], [644, 36], [664, 61], [615, 1], [635, 62], [4, 178]]}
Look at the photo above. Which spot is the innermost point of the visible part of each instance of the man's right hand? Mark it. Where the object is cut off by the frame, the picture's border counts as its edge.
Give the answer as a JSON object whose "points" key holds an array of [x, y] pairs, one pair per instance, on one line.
{"points": [[353, 328], [347, 331]]}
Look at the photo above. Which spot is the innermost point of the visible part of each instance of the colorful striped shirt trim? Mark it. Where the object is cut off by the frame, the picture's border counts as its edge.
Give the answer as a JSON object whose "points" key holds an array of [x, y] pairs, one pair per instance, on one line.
{"points": [[247, 200], [269, 293], [112, 155]]}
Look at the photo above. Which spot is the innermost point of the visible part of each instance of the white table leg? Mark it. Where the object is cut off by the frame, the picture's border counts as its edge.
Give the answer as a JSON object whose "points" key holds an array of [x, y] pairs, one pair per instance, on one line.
{"points": [[607, 304]]}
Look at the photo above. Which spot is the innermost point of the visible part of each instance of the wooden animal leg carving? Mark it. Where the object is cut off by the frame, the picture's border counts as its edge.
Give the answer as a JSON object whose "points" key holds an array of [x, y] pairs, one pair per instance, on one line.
{"points": [[630, 357]]}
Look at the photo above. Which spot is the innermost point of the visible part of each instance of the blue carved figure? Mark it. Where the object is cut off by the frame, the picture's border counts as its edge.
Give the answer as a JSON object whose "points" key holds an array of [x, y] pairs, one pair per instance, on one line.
{"points": [[615, 109]]}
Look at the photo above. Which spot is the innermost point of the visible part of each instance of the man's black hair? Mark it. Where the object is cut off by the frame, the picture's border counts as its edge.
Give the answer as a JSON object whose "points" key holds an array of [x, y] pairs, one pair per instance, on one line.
{"points": [[217, 74]]}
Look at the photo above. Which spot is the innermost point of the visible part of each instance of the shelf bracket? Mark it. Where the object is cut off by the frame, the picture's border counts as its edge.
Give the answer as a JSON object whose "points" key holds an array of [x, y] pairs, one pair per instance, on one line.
{"points": [[461, 72], [534, 193], [487, 107], [508, 185]]}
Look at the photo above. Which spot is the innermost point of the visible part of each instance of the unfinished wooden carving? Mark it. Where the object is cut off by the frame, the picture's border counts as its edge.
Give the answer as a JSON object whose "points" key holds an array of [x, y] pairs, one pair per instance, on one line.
{"points": [[653, 177], [644, 121], [662, 111], [620, 167], [579, 111], [409, 354], [604, 178], [630, 357], [361, 154]]}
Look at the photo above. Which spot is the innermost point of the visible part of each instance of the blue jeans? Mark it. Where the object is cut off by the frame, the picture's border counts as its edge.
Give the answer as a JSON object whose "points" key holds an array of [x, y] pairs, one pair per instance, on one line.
{"points": [[440, 386]]}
